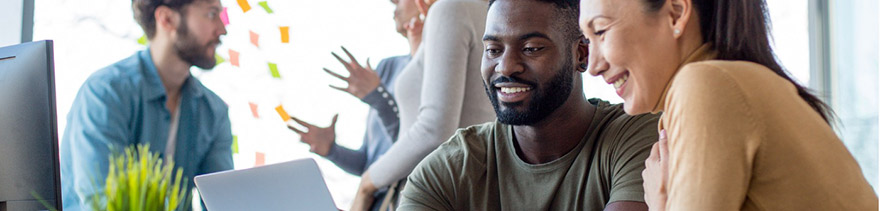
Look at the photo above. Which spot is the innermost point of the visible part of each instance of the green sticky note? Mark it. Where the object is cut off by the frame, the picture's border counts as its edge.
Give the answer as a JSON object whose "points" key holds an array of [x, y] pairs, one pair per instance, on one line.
{"points": [[219, 59], [234, 144], [265, 6], [143, 40], [274, 69]]}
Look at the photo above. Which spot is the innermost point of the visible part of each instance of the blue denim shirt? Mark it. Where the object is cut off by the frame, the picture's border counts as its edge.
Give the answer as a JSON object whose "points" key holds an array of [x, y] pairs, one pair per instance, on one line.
{"points": [[123, 105]]}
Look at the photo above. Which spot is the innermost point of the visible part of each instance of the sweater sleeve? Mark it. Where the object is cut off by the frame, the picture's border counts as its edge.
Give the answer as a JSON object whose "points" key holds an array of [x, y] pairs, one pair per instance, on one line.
{"points": [[713, 138], [448, 35]]}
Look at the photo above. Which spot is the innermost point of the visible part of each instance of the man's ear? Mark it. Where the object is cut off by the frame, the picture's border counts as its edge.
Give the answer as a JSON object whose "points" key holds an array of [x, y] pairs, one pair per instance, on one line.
{"points": [[583, 53], [680, 13], [167, 19]]}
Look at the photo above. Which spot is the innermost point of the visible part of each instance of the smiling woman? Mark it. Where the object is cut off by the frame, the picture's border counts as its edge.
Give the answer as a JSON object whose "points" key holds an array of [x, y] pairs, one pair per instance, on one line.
{"points": [[741, 133]]}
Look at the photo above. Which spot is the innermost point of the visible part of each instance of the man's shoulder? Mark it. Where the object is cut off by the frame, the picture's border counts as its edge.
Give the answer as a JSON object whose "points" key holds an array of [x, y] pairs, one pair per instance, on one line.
{"points": [[121, 76], [466, 145], [621, 129], [472, 139]]}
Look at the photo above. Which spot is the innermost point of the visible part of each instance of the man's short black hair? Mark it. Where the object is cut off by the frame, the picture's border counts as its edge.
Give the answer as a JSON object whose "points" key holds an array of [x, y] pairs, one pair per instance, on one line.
{"points": [[145, 12], [567, 12]]}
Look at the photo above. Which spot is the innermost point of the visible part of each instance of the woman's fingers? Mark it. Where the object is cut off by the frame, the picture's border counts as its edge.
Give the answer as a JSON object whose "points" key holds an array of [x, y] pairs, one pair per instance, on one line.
{"points": [[662, 144], [344, 63], [303, 123], [300, 132], [351, 58], [335, 74]]}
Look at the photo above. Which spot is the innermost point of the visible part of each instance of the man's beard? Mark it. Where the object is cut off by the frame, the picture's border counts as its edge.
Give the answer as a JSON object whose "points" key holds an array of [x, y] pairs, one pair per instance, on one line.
{"points": [[545, 99], [189, 50]]}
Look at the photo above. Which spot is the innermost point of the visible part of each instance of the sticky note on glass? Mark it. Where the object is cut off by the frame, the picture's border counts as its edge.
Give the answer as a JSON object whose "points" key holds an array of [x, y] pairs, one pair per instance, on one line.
{"points": [[254, 109], [245, 6], [219, 59], [234, 144], [143, 40], [283, 114], [224, 17], [273, 68], [285, 34], [260, 159], [265, 6], [255, 38], [233, 57]]}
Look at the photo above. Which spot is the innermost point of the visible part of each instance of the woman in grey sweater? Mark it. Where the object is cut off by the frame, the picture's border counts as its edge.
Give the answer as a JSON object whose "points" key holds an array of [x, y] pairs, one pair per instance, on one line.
{"points": [[439, 91]]}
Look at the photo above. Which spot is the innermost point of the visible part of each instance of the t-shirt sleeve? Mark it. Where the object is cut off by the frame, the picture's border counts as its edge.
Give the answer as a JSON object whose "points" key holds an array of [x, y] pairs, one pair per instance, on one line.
{"points": [[431, 184], [636, 136], [712, 140]]}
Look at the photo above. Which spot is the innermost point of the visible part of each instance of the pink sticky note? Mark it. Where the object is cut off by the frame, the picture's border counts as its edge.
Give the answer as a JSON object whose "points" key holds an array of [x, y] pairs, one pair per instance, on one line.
{"points": [[233, 57], [260, 159], [254, 109], [224, 17], [255, 38]]}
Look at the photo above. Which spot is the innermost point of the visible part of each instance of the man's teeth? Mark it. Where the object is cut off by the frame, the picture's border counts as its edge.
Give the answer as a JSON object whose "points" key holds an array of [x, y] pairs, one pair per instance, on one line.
{"points": [[511, 90], [620, 81]]}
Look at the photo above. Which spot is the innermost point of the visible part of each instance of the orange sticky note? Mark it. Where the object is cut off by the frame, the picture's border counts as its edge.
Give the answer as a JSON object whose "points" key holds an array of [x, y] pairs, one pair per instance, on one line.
{"points": [[245, 6], [233, 57], [260, 159], [254, 109], [285, 34], [255, 39], [282, 113]]}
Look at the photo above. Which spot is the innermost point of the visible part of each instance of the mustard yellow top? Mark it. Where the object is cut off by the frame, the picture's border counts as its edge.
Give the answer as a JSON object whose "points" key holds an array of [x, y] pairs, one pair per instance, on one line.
{"points": [[740, 138]]}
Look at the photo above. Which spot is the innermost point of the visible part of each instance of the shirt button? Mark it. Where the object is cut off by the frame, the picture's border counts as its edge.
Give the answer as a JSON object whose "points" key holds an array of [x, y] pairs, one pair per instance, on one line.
{"points": [[390, 102], [395, 109], [380, 89], [385, 95]]}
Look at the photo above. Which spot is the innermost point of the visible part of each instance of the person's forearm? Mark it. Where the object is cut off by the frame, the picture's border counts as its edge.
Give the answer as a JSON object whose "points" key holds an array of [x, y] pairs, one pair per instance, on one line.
{"points": [[351, 161], [386, 107]]}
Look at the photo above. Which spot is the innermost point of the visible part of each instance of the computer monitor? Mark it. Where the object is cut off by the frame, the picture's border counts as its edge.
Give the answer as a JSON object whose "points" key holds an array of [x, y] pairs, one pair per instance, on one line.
{"points": [[28, 128]]}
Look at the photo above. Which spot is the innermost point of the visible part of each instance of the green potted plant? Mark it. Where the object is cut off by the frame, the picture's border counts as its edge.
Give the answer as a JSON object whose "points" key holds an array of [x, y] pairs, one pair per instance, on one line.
{"points": [[139, 181]]}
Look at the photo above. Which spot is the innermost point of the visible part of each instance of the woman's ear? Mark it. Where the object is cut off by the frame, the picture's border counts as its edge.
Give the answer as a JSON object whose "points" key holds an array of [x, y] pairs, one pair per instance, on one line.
{"points": [[680, 14], [422, 6]]}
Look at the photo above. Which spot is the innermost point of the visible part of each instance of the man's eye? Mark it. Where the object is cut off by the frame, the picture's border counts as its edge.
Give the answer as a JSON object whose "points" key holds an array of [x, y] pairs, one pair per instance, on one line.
{"points": [[492, 51], [600, 32], [212, 15], [531, 50]]}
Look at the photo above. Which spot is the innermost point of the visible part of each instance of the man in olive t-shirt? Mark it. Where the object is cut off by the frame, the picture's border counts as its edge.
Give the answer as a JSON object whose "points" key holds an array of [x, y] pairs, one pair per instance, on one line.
{"points": [[551, 148]]}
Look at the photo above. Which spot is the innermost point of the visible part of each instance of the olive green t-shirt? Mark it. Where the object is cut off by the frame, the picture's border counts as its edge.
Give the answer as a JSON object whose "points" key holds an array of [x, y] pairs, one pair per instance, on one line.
{"points": [[478, 168]]}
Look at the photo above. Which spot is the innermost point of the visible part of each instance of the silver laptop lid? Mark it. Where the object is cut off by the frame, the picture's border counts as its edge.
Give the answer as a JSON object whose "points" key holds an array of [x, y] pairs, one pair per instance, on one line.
{"points": [[292, 185]]}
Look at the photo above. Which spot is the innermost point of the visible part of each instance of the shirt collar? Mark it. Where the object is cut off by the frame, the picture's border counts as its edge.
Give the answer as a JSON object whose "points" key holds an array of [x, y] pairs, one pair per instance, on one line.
{"points": [[703, 53], [155, 89]]}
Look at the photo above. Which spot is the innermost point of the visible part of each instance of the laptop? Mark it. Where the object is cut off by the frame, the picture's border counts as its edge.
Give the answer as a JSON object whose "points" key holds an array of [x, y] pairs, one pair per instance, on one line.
{"points": [[292, 185]]}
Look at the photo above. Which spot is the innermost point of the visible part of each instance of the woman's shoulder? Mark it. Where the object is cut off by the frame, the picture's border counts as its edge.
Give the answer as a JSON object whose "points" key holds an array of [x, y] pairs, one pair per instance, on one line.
{"points": [[732, 77]]}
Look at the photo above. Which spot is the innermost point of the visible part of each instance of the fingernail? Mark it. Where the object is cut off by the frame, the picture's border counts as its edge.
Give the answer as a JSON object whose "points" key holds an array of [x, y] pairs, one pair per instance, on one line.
{"points": [[663, 134]]}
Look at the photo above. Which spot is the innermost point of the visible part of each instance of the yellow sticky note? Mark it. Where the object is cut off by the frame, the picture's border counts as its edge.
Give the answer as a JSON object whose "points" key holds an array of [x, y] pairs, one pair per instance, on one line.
{"points": [[273, 68], [245, 6], [282, 113], [265, 6], [234, 144], [260, 159], [285, 34], [143, 40], [255, 38], [219, 59]]}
